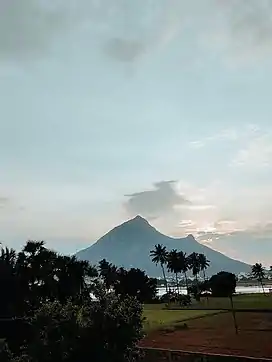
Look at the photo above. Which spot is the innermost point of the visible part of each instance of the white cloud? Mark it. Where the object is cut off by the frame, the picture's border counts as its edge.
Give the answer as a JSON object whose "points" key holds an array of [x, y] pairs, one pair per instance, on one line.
{"points": [[228, 135]]}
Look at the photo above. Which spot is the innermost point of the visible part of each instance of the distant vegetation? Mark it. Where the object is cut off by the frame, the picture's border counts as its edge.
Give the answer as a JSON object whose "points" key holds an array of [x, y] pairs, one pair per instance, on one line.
{"points": [[57, 308]]}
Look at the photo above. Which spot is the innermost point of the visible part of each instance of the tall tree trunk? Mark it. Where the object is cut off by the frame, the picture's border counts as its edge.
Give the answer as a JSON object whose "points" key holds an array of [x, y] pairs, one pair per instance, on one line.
{"points": [[261, 281], [177, 282], [204, 275], [164, 277], [233, 315], [186, 281], [196, 278]]}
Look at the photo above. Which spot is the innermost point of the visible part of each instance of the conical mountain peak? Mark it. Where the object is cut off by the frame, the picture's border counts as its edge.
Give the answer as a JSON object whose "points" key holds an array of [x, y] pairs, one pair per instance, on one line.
{"points": [[138, 222], [130, 243]]}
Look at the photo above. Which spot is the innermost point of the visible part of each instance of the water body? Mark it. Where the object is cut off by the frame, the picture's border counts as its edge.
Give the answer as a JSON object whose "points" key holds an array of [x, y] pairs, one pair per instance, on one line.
{"points": [[239, 290]]}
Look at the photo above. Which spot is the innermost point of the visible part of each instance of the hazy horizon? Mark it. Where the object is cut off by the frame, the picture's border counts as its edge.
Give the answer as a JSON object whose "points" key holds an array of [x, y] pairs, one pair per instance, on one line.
{"points": [[159, 108]]}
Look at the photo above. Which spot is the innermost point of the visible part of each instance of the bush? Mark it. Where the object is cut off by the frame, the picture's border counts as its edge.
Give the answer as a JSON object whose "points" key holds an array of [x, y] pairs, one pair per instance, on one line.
{"points": [[108, 331], [184, 300]]}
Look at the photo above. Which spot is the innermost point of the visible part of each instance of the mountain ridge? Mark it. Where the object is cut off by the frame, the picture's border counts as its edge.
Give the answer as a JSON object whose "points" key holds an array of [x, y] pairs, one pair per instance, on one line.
{"points": [[129, 245]]}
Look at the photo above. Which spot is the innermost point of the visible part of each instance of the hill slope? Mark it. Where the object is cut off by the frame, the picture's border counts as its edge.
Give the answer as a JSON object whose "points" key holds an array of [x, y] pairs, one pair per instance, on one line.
{"points": [[129, 244]]}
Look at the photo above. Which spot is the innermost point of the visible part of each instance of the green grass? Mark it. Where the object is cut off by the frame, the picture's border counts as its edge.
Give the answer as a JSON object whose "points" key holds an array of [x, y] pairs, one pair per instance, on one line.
{"points": [[243, 301], [158, 318]]}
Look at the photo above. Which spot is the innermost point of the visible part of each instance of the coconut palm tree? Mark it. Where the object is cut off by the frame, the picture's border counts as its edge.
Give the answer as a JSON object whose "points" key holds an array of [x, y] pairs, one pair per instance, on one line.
{"points": [[193, 262], [204, 263], [258, 272], [183, 265], [160, 256], [173, 264]]}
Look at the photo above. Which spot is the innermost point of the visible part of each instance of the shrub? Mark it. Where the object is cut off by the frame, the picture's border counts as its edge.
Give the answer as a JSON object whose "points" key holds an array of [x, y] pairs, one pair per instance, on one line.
{"points": [[108, 330]]}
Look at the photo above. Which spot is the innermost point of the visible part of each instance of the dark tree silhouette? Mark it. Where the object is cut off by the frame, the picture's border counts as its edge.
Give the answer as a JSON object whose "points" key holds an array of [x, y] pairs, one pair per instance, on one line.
{"points": [[108, 273], [51, 316], [159, 256], [223, 284], [258, 272], [194, 265], [203, 264], [174, 265], [184, 265], [136, 283]]}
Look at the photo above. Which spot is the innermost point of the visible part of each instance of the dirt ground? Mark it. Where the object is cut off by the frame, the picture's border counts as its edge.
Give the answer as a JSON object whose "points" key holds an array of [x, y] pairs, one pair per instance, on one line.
{"points": [[216, 334]]}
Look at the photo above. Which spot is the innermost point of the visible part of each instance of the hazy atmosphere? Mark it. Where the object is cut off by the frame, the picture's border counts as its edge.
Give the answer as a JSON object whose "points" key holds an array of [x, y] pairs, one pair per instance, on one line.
{"points": [[109, 109]]}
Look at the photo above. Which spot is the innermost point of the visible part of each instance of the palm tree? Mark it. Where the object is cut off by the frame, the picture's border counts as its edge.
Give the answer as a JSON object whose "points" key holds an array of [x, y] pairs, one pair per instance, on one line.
{"points": [[193, 262], [159, 256], [183, 265], [173, 264], [258, 272], [204, 263]]}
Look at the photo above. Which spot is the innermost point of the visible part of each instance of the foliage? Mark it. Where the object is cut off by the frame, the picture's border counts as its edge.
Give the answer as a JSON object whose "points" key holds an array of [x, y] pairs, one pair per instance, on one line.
{"points": [[135, 282], [258, 272], [50, 294], [194, 264], [105, 330], [160, 256], [108, 272], [222, 284], [204, 263], [198, 288], [37, 275], [184, 300]]}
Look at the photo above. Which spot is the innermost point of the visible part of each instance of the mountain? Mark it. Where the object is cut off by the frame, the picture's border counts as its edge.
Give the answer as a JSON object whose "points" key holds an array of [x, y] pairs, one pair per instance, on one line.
{"points": [[129, 245]]}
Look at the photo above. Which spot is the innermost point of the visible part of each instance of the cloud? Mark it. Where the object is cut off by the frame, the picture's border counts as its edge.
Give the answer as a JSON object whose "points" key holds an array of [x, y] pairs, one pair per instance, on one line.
{"points": [[145, 32], [257, 153], [155, 203], [242, 29], [27, 27], [246, 245], [228, 134], [225, 134]]}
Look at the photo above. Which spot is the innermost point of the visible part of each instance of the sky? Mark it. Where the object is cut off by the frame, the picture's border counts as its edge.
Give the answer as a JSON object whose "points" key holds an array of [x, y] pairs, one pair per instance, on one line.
{"points": [[109, 109]]}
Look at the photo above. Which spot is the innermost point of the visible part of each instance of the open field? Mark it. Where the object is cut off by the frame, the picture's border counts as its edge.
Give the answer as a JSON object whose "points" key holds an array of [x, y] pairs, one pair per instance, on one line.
{"points": [[216, 334], [240, 301], [158, 318]]}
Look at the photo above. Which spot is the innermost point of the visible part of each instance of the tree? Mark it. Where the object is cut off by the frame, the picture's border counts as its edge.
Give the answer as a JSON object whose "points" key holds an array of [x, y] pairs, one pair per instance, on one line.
{"points": [[135, 283], [203, 264], [194, 265], [173, 264], [223, 284], [108, 272], [106, 330], [258, 272], [36, 275], [184, 265], [159, 256], [51, 293]]}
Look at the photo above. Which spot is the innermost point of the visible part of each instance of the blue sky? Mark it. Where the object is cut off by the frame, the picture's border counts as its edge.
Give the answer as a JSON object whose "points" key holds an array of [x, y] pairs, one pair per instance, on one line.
{"points": [[102, 99]]}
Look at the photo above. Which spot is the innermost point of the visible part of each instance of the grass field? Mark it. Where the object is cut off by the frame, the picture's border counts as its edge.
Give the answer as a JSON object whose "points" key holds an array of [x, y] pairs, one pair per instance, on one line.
{"points": [[240, 301], [158, 318]]}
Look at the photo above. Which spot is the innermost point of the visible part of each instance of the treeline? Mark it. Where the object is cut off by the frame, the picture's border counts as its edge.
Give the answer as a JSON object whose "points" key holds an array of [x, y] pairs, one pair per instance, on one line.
{"points": [[57, 308], [178, 262]]}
